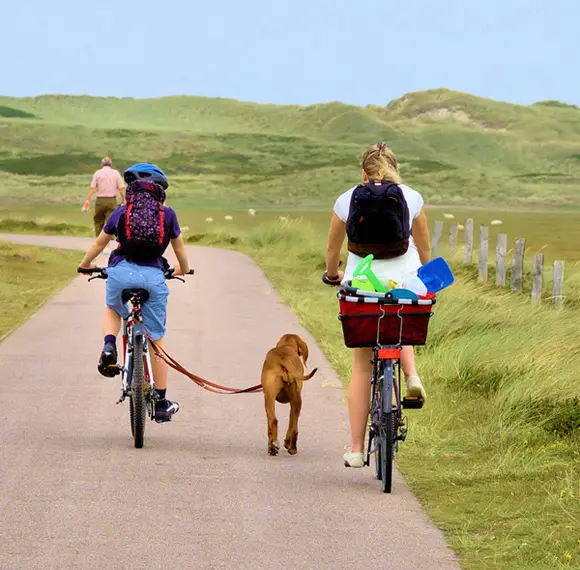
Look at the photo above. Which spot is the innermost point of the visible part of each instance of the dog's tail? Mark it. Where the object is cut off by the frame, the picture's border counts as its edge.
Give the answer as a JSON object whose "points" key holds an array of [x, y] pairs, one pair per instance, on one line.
{"points": [[307, 377]]}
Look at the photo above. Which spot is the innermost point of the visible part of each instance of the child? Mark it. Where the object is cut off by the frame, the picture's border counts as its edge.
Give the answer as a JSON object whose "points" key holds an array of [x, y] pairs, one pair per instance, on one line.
{"points": [[144, 227]]}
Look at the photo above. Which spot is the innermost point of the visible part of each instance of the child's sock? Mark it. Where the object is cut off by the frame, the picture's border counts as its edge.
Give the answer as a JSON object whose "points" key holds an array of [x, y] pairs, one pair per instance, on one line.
{"points": [[162, 393], [111, 339]]}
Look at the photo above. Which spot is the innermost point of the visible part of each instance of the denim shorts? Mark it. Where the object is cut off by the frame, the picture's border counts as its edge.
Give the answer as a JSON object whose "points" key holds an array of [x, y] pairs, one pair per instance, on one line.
{"points": [[127, 275]]}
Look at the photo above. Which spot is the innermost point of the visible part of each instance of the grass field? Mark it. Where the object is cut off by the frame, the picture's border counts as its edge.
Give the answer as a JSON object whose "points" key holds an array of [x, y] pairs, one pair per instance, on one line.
{"points": [[28, 276], [495, 456]]}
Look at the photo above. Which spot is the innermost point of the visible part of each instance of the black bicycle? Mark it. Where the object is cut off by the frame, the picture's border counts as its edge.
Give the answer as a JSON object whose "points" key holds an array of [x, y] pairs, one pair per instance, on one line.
{"points": [[387, 424], [137, 382], [385, 324]]}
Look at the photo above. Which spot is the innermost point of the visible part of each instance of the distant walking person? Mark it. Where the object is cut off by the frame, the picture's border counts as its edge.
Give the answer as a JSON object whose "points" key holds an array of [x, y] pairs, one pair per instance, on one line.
{"points": [[108, 184]]}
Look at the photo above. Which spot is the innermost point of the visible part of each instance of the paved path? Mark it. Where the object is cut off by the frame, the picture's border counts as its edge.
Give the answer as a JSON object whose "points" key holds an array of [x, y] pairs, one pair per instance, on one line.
{"points": [[74, 493]]}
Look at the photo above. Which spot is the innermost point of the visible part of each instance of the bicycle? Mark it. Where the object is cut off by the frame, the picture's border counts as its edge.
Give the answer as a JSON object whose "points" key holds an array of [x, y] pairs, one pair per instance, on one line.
{"points": [[137, 382], [385, 324]]}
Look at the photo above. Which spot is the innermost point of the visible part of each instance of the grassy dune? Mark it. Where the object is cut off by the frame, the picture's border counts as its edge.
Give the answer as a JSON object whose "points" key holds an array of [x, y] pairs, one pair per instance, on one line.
{"points": [[456, 148], [495, 455]]}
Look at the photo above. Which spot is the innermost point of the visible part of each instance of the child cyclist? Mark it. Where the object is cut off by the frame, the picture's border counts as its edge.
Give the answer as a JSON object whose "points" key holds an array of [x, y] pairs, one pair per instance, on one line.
{"points": [[144, 227]]}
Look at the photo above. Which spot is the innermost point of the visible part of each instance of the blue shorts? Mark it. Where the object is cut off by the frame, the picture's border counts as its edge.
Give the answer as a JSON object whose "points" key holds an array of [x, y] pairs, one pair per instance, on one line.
{"points": [[126, 275]]}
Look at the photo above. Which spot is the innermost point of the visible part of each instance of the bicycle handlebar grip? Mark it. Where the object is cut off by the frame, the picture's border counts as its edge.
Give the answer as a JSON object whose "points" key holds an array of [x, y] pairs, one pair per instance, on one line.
{"points": [[326, 280]]}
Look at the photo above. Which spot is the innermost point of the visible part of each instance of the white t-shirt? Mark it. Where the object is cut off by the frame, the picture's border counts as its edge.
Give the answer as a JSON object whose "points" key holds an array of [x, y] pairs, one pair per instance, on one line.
{"points": [[385, 268]]}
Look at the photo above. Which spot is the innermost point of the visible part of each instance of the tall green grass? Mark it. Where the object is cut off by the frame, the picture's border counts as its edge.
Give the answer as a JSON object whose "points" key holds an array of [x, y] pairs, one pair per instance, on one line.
{"points": [[494, 456]]}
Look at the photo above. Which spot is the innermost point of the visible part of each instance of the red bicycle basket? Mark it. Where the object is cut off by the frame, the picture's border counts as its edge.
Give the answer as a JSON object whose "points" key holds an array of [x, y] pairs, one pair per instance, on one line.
{"points": [[402, 325]]}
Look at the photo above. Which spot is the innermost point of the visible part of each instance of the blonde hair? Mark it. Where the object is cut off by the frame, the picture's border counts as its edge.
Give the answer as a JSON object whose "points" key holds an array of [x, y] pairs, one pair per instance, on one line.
{"points": [[380, 163]]}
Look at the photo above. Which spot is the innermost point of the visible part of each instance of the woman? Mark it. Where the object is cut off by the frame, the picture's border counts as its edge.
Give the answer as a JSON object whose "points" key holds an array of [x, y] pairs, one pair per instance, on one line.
{"points": [[378, 163]]}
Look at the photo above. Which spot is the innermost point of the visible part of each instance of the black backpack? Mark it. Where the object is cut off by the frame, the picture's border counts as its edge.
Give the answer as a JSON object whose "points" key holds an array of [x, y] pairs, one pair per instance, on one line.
{"points": [[142, 225], [378, 221]]}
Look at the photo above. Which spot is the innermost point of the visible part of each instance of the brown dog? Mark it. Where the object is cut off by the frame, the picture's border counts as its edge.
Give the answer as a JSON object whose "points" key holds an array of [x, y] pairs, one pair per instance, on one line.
{"points": [[282, 378]]}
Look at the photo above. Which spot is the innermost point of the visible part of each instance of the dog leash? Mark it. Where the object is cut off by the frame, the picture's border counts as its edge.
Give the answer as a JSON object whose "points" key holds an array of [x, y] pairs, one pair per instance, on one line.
{"points": [[205, 384]]}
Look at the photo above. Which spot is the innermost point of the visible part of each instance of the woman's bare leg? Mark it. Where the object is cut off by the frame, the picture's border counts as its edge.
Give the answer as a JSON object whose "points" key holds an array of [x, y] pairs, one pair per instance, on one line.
{"points": [[359, 395]]}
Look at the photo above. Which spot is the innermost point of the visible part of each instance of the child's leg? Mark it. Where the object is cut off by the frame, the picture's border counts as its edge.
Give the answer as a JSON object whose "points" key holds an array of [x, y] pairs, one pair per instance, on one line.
{"points": [[111, 322]]}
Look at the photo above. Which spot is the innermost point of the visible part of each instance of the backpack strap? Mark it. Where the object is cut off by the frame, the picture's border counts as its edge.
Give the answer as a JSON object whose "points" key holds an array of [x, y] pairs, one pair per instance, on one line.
{"points": [[161, 223], [128, 220]]}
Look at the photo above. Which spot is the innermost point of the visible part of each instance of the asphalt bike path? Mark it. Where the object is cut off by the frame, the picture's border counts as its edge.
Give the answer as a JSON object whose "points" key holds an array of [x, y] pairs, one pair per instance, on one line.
{"points": [[202, 493]]}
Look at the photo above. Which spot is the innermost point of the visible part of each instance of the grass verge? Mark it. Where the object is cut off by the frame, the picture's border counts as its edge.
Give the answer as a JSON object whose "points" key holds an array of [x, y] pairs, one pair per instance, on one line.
{"points": [[28, 276], [494, 457]]}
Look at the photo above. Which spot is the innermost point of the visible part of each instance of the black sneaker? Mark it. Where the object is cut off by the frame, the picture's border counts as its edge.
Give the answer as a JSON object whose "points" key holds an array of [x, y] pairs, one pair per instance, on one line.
{"points": [[164, 409], [108, 361]]}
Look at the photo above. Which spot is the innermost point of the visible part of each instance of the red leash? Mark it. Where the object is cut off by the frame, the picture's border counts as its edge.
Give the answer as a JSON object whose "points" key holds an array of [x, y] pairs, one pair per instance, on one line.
{"points": [[205, 384]]}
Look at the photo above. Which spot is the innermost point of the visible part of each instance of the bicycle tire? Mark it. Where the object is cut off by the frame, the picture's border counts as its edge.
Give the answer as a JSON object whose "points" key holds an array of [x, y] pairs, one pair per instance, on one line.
{"points": [[138, 405], [386, 454], [377, 415], [386, 430]]}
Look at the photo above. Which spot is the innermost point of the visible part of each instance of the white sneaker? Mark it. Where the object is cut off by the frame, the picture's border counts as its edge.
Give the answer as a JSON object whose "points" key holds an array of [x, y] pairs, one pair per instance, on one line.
{"points": [[107, 251], [415, 388], [354, 459]]}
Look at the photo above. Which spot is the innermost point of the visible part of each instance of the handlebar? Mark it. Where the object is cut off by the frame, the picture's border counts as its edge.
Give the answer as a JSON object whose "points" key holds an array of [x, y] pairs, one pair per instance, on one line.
{"points": [[101, 273], [326, 280]]}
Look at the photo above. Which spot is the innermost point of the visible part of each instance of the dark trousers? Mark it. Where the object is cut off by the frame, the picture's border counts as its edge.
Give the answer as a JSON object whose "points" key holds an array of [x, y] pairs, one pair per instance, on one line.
{"points": [[104, 207]]}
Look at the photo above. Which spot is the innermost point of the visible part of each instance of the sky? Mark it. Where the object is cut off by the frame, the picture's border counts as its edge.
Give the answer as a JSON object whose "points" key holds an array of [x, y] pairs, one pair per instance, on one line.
{"points": [[293, 52]]}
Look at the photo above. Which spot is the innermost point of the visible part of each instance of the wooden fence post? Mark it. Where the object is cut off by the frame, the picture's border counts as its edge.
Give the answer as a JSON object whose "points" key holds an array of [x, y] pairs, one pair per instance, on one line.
{"points": [[518, 265], [500, 260], [436, 241], [453, 236], [558, 284], [537, 277], [468, 251], [483, 251]]}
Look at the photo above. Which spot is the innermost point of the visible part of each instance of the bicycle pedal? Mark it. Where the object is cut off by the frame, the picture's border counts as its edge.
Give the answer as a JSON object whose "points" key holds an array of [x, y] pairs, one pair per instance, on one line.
{"points": [[413, 403]]}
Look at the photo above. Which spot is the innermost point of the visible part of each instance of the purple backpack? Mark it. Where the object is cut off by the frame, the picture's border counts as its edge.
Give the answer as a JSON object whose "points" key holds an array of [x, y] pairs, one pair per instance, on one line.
{"points": [[142, 225]]}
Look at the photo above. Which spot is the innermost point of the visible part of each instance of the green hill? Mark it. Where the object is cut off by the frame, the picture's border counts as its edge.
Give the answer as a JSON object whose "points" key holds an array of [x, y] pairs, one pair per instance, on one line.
{"points": [[454, 147]]}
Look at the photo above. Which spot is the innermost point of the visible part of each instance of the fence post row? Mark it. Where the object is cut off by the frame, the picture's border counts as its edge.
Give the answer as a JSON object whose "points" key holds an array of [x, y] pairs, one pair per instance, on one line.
{"points": [[500, 260], [517, 273], [468, 251], [483, 252]]}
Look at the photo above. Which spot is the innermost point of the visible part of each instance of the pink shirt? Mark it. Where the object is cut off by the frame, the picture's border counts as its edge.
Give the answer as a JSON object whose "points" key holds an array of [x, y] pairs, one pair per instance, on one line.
{"points": [[107, 182]]}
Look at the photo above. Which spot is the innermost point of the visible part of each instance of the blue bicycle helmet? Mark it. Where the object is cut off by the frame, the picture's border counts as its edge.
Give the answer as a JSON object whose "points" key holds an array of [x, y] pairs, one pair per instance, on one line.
{"points": [[148, 171]]}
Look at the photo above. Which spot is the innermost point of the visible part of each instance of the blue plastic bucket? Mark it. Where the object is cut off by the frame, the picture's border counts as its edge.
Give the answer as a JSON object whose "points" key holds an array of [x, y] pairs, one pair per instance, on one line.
{"points": [[436, 274]]}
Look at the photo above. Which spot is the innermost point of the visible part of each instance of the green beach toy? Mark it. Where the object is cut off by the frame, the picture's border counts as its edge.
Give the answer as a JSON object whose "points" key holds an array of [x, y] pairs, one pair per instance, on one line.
{"points": [[363, 269]]}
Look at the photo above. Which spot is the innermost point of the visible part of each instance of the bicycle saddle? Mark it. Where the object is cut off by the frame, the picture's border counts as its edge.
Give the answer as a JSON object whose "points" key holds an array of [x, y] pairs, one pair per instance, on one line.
{"points": [[128, 294]]}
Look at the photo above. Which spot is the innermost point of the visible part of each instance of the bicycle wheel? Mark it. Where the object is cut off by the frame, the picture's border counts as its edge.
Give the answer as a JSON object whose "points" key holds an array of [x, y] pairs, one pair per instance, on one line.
{"points": [[138, 406]]}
